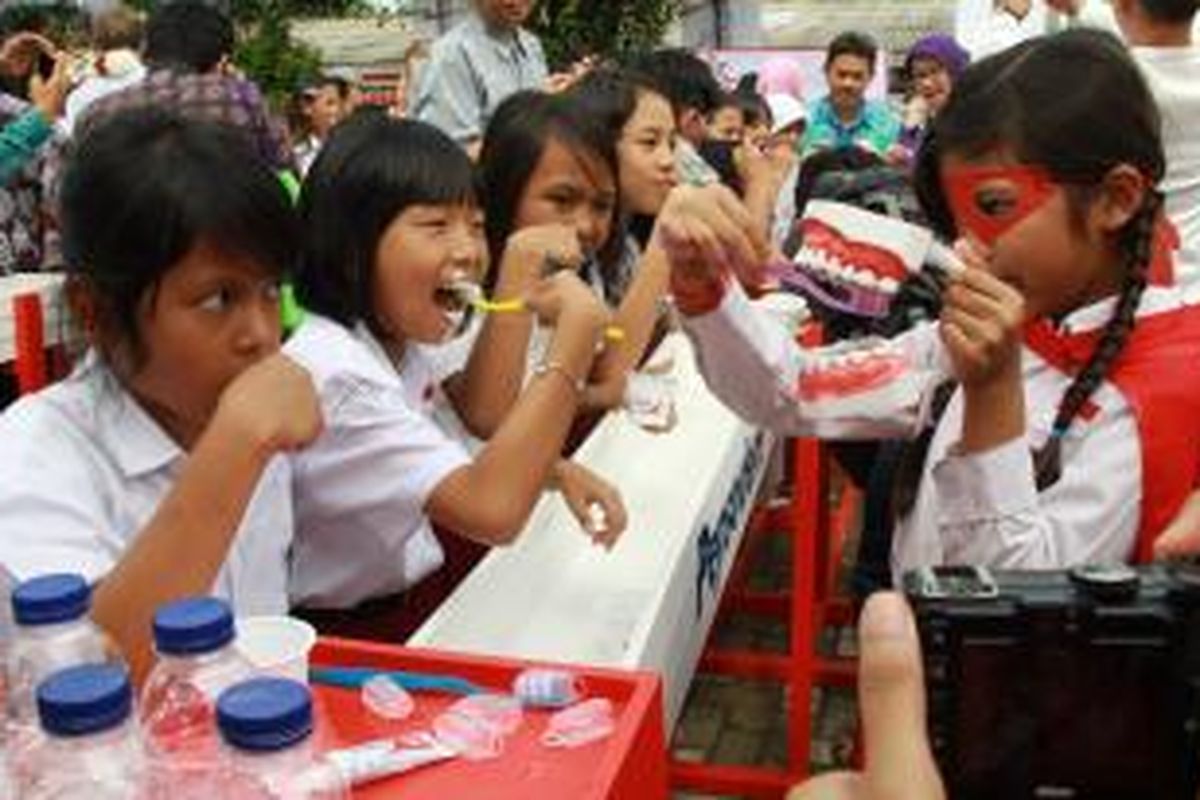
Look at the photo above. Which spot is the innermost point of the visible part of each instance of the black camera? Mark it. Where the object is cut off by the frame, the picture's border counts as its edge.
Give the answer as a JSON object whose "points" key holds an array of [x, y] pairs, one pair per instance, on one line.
{"points": [[1073, 685]]}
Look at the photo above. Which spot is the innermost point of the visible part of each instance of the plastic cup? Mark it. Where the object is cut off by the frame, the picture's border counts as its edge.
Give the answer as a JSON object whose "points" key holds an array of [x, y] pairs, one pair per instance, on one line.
{"points": [[276, 645]]}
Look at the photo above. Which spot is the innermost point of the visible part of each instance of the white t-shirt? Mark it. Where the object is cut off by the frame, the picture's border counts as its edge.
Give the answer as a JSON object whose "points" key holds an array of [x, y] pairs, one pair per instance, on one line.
{"points": [[360, 490], [983, 29], [83, 468], [1174, 77]]}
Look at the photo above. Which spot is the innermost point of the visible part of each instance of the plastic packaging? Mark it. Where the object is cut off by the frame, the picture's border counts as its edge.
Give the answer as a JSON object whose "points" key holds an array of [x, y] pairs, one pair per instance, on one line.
{"points": [[91, 750], [196, 662], [385, 698], [53, 632], [548, 688], [475, 727], [267, 724], [580, 724]]}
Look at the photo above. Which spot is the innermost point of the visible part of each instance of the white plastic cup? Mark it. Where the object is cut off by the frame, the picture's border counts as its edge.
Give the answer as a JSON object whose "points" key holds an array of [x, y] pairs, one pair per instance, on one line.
{"points": [[276, 645]]}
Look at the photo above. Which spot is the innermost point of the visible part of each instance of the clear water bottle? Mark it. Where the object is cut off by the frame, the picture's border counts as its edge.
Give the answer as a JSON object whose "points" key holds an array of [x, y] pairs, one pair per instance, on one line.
{"points": [[267, 723], [91, 750], [196, 662], [53, 631]]}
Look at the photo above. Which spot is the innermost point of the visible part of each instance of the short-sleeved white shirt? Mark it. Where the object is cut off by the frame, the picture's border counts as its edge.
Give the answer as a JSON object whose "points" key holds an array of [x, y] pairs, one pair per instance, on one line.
{"points": [[361, 489], [83, 468]]}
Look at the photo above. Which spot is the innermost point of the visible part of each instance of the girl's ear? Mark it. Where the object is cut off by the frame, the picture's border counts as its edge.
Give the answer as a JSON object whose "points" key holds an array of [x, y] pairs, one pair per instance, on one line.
{"points": [[1121, 195]]}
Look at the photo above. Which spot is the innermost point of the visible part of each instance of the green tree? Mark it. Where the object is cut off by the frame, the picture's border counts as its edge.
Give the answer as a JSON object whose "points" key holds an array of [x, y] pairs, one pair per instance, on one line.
{"points": [[571, 29]]}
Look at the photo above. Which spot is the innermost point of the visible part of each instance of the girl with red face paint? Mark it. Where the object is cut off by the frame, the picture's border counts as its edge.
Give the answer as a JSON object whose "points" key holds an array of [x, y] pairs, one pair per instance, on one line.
{"points": [[1072, 429]]}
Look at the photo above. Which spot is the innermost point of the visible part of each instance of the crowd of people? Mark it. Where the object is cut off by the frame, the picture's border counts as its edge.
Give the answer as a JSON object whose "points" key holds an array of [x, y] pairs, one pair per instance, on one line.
{"points": [[343, 469]]}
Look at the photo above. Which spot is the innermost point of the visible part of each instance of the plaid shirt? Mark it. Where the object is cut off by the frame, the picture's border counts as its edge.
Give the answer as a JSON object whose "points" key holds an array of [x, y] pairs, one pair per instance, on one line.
{"points": [[210, 97]]}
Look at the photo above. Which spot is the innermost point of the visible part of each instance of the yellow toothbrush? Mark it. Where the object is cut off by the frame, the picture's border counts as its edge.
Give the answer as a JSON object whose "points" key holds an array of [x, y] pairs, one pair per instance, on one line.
{"points": [[472, 295]]}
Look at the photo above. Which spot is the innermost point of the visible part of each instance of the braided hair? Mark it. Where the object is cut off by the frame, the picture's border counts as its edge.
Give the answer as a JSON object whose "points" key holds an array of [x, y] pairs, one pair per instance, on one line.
{"points": [[1076, 105], [1137, 246]]}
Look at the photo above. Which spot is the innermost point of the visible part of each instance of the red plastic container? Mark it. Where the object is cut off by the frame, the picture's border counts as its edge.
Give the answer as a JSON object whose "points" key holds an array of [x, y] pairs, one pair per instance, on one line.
{"points": [[629, 765]]}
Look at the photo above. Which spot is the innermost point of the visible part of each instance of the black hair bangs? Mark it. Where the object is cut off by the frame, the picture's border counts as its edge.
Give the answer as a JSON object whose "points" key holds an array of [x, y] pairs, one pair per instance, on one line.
{"points": [[145, 186], [371, 169]]}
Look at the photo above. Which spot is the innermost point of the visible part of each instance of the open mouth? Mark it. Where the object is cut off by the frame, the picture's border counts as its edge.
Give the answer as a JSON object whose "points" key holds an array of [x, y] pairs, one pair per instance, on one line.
{"points": [[857, 258], [456, 299]]}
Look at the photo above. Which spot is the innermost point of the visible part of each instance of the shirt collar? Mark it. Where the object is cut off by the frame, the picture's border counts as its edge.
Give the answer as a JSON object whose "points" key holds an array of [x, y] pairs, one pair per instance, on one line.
{"points": [[137, 443]]}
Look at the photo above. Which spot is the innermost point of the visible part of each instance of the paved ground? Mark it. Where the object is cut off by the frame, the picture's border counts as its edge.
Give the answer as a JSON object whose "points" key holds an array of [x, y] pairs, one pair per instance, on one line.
{"points": [[732, 721]]}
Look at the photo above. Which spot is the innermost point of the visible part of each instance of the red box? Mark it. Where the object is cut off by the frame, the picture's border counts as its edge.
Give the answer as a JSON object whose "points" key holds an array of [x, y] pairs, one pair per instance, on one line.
{"points": [[629, 765]]}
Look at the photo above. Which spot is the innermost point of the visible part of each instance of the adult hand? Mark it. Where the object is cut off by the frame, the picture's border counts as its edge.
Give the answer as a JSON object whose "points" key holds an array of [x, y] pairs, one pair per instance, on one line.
{"points": [[49, 95], [891, 696], [19, 52]]}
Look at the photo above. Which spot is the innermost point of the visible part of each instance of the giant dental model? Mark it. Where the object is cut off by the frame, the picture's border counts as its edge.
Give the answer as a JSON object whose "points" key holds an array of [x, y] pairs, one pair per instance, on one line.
{"points": [[855, 260]]}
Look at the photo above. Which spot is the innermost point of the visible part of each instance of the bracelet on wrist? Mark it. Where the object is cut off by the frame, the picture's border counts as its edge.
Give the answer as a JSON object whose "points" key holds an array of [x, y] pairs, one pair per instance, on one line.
{"points": [[558, 368]]}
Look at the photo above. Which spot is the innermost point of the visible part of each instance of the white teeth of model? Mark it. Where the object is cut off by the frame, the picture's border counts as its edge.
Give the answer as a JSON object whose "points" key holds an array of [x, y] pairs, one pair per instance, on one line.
{"points": [[804, 257], [869, 279], [857, 357], [889, 285], [823, 262], [860, 277]]}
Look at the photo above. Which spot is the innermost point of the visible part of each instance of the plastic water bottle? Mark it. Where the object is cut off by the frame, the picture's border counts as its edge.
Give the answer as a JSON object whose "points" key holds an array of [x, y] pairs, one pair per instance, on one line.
{"points": [[267, 724], [91, 750], [53, 632], [196, 662]]}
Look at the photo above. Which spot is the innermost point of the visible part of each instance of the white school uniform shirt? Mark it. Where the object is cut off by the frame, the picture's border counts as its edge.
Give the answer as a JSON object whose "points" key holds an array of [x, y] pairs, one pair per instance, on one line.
{"points": [[83, 468], [361, 488], [979, 508], [1174, 77]]}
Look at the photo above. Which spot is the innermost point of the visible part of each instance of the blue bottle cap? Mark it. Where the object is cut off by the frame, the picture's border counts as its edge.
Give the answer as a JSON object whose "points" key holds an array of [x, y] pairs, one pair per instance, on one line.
{"points": [[50, 599], [83, 700], [265, 714], [193, 626]]}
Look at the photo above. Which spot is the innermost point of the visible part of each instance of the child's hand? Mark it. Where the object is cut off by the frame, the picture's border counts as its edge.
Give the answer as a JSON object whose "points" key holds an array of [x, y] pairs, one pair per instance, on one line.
{"points": [[530, 251], [707, 232], [981, 324], [273, 404], [564, 296], [1182, 536], [585, 492]]}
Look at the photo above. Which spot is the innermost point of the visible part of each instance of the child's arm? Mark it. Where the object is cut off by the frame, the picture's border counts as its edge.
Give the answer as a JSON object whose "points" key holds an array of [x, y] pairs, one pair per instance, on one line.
{"points": [[754, 365], [639, 310], [484, 392], [491, 498], [1182, 536], [268, 409], [989, 510]]}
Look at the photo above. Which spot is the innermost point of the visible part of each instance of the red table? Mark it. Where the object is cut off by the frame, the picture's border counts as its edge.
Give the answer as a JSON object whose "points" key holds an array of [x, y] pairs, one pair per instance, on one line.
{"points": [[630, 764]]}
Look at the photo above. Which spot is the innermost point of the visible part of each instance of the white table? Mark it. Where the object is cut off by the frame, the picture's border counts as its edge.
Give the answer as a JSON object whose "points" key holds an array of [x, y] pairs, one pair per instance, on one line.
{"points": [[649, 604], [48, 286]]}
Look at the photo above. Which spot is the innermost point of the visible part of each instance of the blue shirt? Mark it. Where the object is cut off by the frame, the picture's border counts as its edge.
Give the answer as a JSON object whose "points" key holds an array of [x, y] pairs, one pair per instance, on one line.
{"points": [[471, 71], [876, 128]]}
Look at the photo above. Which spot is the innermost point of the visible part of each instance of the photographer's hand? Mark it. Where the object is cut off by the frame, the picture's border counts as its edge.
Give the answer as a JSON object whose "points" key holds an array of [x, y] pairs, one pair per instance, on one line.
{"points": [[891, 695]]}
